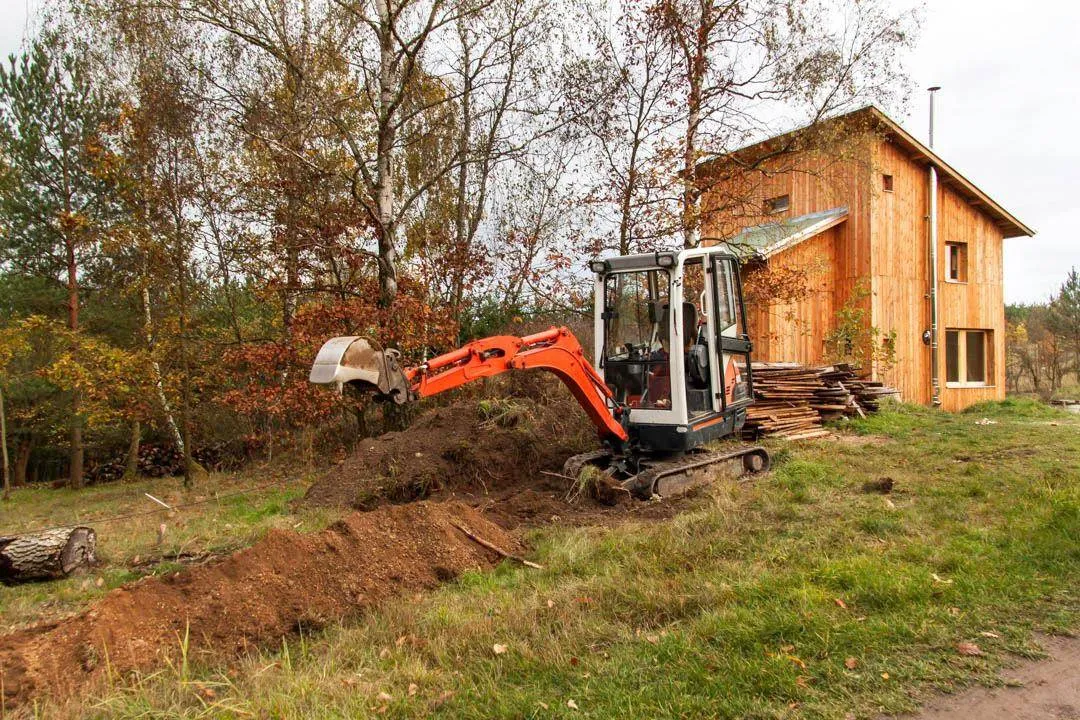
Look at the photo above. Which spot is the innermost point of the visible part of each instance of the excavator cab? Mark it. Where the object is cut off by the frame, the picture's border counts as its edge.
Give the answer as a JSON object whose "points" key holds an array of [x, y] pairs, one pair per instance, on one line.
{"points": [[671, 345]]}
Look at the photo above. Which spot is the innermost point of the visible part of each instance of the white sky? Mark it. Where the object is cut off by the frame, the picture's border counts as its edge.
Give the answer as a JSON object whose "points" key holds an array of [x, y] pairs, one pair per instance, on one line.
{"points": [[1007, 116]]}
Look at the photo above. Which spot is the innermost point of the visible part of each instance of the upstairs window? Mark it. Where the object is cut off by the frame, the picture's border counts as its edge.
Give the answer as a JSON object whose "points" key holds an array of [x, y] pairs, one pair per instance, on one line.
{"points": [[777, 204], [968, 357], [956, 262], [887, 183]]}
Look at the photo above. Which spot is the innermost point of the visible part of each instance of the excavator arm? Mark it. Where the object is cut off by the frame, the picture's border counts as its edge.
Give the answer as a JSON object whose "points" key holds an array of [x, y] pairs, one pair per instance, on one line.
{"points": [[353, 360]]}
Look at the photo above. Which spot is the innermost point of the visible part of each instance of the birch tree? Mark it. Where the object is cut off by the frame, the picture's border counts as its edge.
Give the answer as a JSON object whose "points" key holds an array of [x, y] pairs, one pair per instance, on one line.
{"points": [[630, 83]]}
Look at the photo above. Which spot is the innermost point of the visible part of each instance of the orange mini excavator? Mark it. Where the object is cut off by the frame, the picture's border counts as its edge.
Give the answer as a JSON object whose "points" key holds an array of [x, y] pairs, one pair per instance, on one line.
{"points": [[672, 368]]}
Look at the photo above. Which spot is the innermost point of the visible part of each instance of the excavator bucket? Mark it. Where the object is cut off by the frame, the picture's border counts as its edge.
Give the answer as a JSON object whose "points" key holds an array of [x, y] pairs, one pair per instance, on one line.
{"points": [[357, 362]]}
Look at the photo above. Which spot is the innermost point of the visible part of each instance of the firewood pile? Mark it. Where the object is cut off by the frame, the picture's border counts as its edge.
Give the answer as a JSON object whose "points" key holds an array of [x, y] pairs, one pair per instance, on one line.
{"points": [[792, 401], [160, 460]]}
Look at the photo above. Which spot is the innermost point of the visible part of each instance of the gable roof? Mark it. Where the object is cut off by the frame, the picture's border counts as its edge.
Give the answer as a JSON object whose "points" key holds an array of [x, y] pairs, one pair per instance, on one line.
{"points": [[768, 239], [1008, 223]]}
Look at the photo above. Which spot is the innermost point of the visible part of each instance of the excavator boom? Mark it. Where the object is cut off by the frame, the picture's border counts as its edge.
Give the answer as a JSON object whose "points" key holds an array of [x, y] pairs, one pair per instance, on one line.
{"points": [[353, 360]]}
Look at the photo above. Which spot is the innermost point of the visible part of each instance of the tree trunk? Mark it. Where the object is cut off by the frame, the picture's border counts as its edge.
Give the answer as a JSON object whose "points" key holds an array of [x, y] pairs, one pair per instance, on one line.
{"points": [[697, 66], [690, 191], [75, 440], [461, 210], [22, 461], [155, 366], [4, 468], [75, 467], [132, 467], [185, 363], [386, 231], [46, 555]]}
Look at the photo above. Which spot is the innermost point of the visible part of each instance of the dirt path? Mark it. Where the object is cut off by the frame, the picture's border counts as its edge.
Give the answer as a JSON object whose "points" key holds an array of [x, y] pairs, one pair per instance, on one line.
{"points": [[1048, 690]]}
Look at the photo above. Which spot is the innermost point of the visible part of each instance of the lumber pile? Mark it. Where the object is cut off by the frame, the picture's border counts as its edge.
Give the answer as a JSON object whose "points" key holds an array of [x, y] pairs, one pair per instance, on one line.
{"points": [[793, 401]]}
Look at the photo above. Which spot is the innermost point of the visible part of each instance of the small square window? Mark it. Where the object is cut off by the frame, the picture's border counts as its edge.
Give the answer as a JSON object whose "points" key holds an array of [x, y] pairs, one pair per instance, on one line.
{"points": [[887, 183], [777, 204], [956, 262]]}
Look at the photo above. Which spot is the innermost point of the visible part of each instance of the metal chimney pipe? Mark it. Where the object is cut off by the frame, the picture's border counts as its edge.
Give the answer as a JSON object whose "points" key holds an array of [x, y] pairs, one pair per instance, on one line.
{"points": [[932, 90], [935, 372]]}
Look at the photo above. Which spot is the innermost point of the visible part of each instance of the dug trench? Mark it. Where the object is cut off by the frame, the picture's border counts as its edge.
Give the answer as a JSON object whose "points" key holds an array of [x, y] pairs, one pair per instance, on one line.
{"points": [[412, 500], [285, 583]]}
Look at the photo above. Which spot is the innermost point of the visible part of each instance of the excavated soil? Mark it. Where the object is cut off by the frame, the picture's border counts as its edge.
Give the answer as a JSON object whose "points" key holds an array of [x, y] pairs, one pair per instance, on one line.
{"points": [[504, 459], [282, 584], [468, 448], [490, 465]]}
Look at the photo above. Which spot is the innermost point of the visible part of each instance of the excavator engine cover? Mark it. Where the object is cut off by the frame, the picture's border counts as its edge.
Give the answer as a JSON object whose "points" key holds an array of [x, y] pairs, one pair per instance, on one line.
{"points": [[354, 361]]}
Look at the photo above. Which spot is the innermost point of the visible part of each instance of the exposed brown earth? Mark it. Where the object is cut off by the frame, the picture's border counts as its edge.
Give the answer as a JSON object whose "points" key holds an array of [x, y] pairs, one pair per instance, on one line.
{"points": [[284, 583], [505, 460], [486, 466], [467, 448], [1035, 690]]}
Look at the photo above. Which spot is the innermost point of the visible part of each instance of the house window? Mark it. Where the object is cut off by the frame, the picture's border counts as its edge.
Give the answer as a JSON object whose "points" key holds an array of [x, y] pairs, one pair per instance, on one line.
{"points": [[968, 357], [777, 204], [956, 262], [887, 183]]}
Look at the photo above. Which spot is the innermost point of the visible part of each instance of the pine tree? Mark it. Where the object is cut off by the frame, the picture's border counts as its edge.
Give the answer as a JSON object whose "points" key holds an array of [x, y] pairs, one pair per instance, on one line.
{"points": [[1065, 315], [53, 193]]}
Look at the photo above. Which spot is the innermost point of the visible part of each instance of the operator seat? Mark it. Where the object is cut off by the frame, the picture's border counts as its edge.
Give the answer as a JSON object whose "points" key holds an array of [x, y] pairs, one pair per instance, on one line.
{"points": [[689, 324], [696, 356]]}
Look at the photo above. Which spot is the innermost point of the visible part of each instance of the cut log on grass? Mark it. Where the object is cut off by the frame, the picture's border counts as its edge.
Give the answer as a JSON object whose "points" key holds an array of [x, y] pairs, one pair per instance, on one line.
{"points": [[46, 555]]}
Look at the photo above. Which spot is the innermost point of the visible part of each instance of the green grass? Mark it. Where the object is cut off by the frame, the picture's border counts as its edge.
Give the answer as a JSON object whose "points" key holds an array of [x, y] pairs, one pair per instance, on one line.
{"points": [[747, 606]]}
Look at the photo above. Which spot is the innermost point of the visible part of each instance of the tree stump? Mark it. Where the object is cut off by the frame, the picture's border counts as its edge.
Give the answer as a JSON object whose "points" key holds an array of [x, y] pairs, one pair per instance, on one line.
{"points": [[47, 555]]}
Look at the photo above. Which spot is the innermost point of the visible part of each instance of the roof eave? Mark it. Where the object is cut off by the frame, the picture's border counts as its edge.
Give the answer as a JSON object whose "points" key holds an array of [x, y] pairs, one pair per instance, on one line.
{"points": [[1004, 220], [805, 234], [1008, 223]]}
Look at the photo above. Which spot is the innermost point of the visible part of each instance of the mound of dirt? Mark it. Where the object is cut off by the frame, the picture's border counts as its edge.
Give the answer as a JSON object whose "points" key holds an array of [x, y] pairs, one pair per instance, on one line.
{"points": [[284, 583], [468, 449]]}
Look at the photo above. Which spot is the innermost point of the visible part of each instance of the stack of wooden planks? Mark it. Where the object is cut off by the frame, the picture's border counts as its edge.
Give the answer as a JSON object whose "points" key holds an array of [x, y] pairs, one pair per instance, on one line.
{"points": [[792, 400], [868, 394]]}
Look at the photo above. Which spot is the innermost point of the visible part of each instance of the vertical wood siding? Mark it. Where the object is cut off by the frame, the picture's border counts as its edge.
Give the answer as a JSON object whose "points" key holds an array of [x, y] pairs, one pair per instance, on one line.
{"points": [[977, 304], [899, 231], [883, 242], [840, 256], [783, 331]]}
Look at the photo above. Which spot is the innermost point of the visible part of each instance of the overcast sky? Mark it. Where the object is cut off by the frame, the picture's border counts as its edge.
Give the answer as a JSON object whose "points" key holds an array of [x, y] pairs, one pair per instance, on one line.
{"points": [[1007, 117]]}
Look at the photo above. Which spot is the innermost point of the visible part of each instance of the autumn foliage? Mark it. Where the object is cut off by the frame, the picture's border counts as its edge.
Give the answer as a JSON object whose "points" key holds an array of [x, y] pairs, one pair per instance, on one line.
{"points": [[270, 379], [193, 198]]}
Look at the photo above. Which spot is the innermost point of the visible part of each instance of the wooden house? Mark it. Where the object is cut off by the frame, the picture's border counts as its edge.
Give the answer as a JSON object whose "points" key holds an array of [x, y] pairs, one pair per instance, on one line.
{"points": [[843, 212]]}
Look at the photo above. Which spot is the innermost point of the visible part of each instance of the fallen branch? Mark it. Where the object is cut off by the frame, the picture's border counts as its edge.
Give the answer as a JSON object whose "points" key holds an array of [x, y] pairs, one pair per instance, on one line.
{"points": [[183, 557], [558, 475], [494, 548]]}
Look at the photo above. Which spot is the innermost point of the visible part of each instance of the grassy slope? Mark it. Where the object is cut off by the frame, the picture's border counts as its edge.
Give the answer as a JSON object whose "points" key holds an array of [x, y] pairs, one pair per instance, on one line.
{"points": [[747, 607]]}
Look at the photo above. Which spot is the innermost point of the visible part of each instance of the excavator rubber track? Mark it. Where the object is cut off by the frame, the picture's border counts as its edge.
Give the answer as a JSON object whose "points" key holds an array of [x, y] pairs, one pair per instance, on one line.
{"points": [[576, 463], [674, 476]]}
